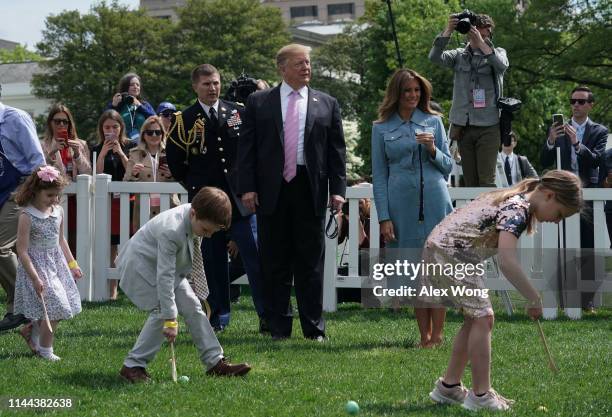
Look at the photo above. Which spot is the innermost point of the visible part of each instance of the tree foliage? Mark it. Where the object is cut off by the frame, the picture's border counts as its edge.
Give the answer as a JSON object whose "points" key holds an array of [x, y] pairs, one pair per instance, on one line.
{"points": [[234, 36], [88, 53], [18, 54], [552, 46]]}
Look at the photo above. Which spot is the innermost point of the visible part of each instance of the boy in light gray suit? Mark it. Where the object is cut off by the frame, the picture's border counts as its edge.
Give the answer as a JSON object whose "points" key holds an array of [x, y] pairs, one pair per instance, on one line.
{"points": [[153, 267]]}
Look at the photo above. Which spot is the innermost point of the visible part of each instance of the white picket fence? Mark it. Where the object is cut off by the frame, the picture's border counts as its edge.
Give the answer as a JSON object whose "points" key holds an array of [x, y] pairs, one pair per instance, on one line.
{"points": [[93, 235], [530, 247], [94, 223]]}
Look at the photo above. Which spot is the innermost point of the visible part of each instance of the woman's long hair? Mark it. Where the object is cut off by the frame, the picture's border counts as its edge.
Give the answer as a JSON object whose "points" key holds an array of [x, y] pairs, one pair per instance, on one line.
{"points": [[124, 83], [112, 114], [400, 78], [566, 186], [53, 110]]}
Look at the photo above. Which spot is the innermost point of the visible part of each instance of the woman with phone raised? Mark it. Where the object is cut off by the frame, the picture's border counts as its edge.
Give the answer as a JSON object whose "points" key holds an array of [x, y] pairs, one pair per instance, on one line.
{"points": [[147, 162], [112, 148], [62, 147], [68, 153]]}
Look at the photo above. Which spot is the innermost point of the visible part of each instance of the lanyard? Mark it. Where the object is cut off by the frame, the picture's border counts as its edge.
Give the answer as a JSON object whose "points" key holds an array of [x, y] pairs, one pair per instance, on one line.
{"points": [[154, 163]]}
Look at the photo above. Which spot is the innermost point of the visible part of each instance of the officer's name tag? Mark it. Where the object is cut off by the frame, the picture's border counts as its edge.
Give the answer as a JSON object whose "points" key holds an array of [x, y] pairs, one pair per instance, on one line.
{"points": [[479, 98]]}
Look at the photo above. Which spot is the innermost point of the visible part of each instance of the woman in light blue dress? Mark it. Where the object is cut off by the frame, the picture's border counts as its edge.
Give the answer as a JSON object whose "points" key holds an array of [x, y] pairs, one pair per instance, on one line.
{"points": [[410, 166]]}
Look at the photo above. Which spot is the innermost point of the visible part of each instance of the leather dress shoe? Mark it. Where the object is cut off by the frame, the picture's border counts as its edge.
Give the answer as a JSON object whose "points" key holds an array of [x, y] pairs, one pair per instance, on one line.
{"points": [[224, 368], [279, 337], [135, 374], [10, 321], [219, 328]]}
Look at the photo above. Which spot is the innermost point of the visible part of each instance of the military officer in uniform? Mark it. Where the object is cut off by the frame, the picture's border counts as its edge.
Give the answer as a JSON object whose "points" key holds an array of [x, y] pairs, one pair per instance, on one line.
{"points": [[201, 151]]}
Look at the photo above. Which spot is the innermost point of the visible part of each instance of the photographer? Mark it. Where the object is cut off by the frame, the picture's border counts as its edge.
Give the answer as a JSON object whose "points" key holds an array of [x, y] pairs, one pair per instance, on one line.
{"points": [[478, 83], [129, 103]]}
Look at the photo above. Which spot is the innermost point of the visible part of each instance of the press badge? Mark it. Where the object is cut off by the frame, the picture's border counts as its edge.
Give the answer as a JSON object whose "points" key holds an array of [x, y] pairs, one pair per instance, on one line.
{"points": [[479, 98]]}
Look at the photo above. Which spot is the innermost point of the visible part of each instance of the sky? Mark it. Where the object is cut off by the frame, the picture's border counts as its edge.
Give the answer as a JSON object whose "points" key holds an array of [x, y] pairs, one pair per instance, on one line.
{"points": [[23, 21]]}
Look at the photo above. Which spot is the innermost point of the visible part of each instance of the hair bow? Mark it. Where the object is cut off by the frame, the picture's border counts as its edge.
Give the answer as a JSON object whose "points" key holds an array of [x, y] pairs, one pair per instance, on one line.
{"points": [[48, 173]]}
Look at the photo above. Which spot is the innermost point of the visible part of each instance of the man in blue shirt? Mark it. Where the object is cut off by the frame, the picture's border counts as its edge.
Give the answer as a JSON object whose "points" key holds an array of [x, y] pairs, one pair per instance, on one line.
{"points": [[20, 154]]}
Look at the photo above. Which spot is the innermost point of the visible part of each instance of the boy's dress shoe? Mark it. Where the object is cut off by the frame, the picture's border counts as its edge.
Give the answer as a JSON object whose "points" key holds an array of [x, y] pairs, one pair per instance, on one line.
{"points": [[135, 374], [224, 368]]}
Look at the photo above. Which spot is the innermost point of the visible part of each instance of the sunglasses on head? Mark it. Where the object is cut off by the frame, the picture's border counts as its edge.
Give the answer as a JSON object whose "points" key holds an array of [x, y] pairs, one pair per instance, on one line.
{"points": [[580, 101], [59, 122], [155, 132]]}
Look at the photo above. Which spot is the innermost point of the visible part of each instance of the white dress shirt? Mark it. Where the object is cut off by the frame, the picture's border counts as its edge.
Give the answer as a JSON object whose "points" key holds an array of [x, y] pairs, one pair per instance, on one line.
{"points": [[500, 172], [579, 135], [285, 91], [207, 108]]}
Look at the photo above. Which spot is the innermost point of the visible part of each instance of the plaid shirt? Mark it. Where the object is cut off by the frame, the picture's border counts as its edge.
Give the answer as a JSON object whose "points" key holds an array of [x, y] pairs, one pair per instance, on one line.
{"points": [[472, 70]]}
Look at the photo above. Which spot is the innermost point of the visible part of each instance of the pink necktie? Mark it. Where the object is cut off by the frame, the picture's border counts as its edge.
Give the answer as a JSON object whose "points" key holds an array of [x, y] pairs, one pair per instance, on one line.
{"points": [[291, 129]]}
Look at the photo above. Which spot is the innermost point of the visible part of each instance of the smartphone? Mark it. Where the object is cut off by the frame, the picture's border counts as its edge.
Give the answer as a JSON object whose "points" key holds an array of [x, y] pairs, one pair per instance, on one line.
{"points": [[558, 120], [62, 134], [163, 160]]}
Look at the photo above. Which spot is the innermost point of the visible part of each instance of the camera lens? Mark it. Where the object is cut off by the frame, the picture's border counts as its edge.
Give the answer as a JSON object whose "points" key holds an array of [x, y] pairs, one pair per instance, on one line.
{"points": [[464, 25]]}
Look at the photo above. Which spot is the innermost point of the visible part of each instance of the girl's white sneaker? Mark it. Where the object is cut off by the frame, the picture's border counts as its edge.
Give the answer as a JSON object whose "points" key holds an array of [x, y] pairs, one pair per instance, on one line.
{"points": [[490, 401]]}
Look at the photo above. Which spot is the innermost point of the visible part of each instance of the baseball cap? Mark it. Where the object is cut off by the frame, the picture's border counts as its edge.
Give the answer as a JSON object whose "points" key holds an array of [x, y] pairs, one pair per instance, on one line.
{"points": [[166, 106]]}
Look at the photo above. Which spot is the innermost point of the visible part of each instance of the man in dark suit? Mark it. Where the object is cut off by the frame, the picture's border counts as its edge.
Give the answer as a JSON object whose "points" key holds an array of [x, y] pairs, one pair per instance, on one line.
{"points": [[201, 151], [582, 143], [291, 152]]}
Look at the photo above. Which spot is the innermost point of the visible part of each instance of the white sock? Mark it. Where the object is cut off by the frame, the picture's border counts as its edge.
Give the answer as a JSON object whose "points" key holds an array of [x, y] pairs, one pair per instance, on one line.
{"points": [[47, 353]]}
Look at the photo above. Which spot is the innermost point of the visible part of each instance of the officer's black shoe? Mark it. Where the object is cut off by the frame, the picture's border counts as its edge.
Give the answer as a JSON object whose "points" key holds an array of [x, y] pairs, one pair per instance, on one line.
{"points": [[10, 321], [264, 328]]}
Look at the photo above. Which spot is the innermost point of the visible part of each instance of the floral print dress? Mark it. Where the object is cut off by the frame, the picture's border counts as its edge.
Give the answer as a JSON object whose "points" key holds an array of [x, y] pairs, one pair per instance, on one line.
{"points": [[469, 236], [61, 294]]}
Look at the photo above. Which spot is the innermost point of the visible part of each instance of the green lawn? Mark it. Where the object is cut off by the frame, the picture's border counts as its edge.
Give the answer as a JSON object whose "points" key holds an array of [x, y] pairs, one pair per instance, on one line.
{"points": [[370, 358]]}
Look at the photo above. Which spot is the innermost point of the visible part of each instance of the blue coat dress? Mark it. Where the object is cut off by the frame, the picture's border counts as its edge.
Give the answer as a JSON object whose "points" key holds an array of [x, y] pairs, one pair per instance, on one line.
{"points": [[396, 177]]}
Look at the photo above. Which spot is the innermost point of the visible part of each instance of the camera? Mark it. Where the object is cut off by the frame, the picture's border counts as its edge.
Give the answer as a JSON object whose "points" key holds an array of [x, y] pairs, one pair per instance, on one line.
{"points": [[241, 88], [466, 20], [507, 105], [127, 99]]}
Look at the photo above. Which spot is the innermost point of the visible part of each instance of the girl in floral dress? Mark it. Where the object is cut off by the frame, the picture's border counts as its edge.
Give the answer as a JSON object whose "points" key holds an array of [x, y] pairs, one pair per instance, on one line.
{"points": [[489, 225], [46, 269]]}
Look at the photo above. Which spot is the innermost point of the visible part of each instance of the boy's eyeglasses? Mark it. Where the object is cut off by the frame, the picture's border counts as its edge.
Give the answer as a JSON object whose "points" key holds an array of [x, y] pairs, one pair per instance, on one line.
{"points": [[155, 132], [580, 101], [59, 122]]}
